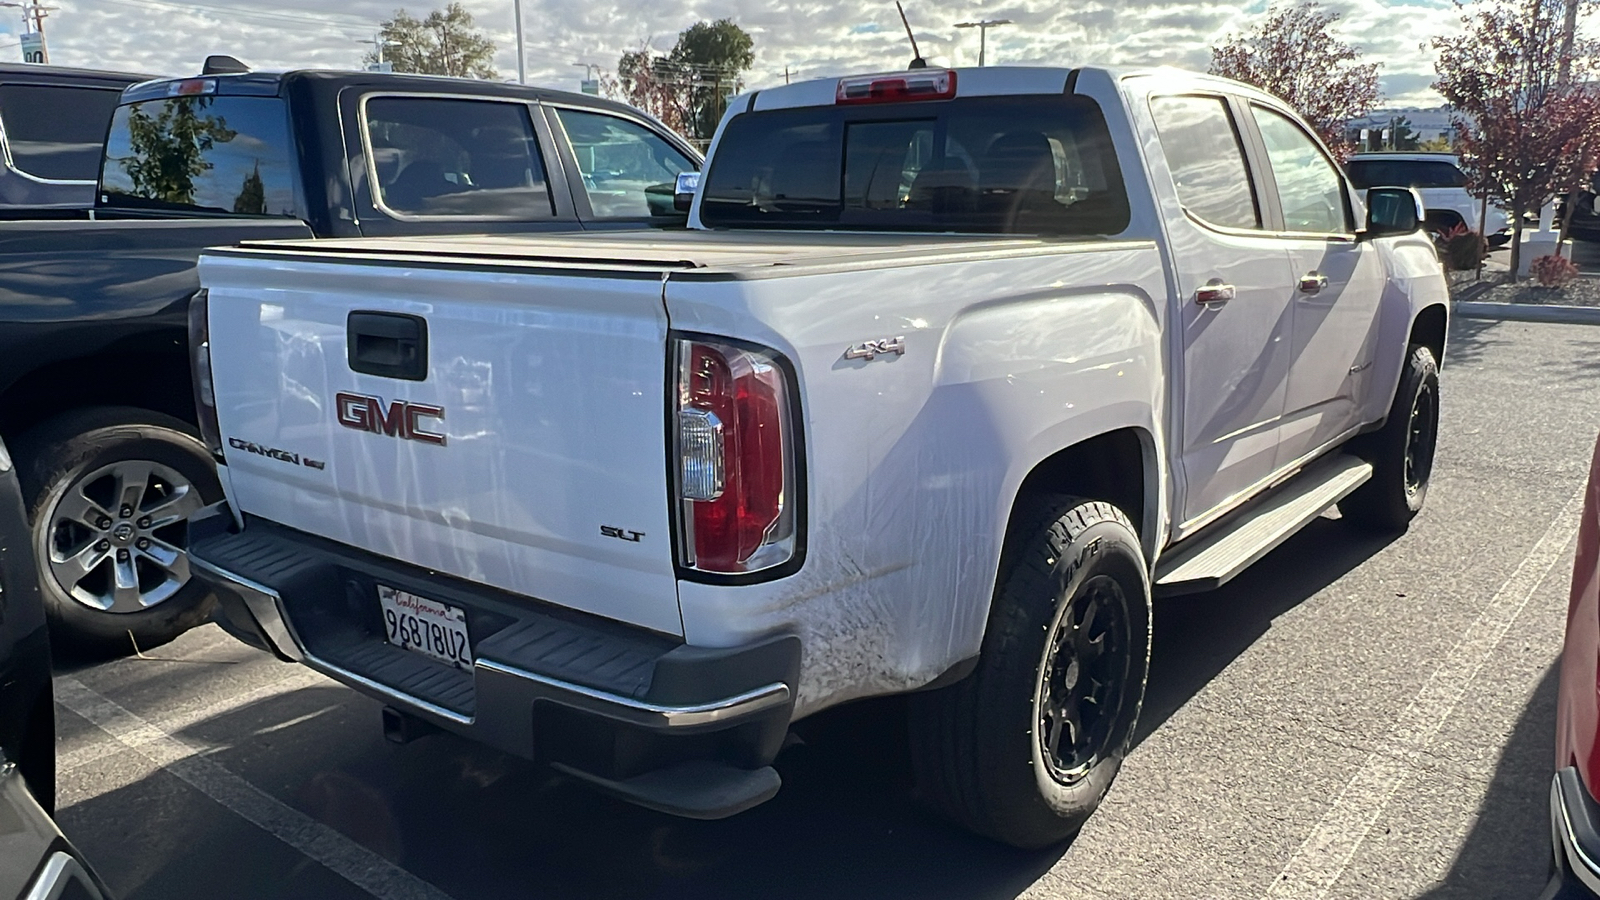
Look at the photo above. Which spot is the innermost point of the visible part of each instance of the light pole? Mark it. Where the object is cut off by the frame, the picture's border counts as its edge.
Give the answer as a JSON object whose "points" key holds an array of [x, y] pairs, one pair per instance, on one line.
{"points": [[522, 68], [378, 42], [983, 34], [589, 78]]}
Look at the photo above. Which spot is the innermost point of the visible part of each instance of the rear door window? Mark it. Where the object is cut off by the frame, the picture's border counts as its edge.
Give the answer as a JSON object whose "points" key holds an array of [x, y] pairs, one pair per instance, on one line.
{"points": [[201, 153], [995, 165], [448, 158], [628, 170], [1207, 160], [56, 132]]}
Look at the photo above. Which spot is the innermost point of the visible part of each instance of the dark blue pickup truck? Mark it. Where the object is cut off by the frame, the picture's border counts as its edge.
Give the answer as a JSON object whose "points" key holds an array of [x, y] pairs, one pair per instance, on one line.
{"points": [[52, 125], [95, 383]]}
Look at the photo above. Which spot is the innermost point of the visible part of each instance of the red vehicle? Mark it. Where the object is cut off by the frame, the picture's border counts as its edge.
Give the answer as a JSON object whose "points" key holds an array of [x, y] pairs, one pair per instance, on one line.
{"points": [[1574, 813]]}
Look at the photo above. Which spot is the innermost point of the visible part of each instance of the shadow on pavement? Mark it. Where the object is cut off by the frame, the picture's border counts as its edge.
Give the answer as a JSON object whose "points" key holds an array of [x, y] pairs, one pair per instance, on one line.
{"points": [[1470, 340], [1197, 636], [479, 824], [1513, 824]]}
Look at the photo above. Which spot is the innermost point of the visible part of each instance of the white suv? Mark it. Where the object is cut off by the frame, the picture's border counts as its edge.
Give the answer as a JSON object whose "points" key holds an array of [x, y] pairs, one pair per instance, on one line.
{"points": [[1440, 181]]}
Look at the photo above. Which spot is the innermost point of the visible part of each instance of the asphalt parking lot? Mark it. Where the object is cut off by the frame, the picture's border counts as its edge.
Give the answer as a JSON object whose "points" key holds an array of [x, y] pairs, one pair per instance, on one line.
{"points": [[1353, 718]]}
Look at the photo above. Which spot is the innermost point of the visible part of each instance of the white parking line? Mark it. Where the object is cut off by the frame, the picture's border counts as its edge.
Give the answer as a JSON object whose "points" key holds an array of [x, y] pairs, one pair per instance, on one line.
{"points": [[355, 863], [1333, 843], [179, 720]]}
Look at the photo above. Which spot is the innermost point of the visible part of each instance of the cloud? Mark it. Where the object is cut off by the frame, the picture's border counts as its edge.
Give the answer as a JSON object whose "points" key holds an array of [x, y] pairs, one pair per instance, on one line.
{"points": [[811, 38]]}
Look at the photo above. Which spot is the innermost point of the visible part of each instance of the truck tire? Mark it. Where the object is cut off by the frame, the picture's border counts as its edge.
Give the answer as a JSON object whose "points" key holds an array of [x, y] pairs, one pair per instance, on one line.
{"points": [[1024, 749], [1401, 452], [109, 490]]}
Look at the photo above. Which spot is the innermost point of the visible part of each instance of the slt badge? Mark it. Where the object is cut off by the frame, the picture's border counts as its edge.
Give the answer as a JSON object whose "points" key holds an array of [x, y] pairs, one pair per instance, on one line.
{"points": [[869, 350]]}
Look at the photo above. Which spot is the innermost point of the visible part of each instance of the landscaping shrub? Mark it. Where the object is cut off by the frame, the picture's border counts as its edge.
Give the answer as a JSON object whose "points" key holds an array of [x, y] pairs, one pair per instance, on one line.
{"points": [[1464, 248], [1553, 271]]}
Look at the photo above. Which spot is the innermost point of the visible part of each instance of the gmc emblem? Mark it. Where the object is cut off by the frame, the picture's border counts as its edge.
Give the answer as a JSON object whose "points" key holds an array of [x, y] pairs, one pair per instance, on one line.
{"points": [[399, 419]]}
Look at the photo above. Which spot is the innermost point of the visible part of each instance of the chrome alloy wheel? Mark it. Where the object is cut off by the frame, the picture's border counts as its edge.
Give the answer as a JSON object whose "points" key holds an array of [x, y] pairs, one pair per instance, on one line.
{"points": [[118, 534], [1083, 682]]}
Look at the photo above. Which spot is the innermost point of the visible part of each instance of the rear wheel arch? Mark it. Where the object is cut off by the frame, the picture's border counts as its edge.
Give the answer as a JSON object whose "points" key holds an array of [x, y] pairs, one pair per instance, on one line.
{"points": [[154, 380], [1118, 467]]}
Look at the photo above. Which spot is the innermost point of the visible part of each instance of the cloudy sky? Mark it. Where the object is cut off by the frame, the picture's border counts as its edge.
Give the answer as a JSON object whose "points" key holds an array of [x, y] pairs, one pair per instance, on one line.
{"points": [[812, 38]]}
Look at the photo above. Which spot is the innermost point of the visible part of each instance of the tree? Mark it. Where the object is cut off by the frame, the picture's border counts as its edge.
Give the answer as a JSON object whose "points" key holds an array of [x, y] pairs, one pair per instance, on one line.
{"points": [[647, 81], [252, 199], [170, 147], [1401, 135], [1295, 56], [445, 43], [687, 88], [1523, 106], [718, 53]]}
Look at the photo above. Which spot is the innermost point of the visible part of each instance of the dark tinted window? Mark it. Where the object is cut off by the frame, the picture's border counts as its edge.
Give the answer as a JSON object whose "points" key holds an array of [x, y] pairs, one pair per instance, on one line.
{"points": [[1207, 162], [621, 161], [1009, 165], [457, 158], [56, 132], [1421, 173], [221, 154]]}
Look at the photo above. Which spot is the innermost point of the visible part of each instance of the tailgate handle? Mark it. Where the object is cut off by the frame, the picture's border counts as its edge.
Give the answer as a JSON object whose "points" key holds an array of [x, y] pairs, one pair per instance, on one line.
{"points": [[391, 345]]}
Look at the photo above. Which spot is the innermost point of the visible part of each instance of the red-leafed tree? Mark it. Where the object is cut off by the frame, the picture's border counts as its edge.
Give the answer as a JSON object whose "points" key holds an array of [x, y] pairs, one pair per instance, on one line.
{"points": [[1295, 55], [1526, 114], [687, 88]]}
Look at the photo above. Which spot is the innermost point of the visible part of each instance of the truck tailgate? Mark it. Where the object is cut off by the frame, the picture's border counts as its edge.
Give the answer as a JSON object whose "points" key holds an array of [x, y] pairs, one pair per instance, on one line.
{"points": [[526, 453]]}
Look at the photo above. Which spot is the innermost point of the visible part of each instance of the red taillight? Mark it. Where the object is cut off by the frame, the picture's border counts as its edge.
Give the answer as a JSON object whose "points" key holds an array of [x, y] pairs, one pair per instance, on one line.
{"points": [[923, 84], [735, 458], [205, 397]]}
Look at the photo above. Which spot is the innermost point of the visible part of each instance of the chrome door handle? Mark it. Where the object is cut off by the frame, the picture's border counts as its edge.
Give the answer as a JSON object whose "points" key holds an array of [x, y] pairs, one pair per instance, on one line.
{"points": [[1313, 282], [1214, 293]]}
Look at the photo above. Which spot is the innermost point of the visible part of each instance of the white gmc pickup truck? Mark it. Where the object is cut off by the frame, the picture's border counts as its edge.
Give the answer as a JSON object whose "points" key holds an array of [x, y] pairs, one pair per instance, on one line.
{"points": [[952, 372]]}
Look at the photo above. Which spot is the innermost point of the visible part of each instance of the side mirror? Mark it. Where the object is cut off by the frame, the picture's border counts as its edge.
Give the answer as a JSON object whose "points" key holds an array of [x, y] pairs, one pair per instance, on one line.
{"points": [[683, 194], [1393, 210]]}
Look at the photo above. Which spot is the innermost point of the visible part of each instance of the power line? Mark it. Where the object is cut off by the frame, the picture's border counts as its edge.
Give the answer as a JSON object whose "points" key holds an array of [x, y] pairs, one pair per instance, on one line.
{"points": [[271, 16]]}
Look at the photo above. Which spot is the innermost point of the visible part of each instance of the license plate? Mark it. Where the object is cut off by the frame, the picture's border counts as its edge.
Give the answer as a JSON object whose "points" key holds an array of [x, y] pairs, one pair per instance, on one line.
{"points": [[435, 630]]}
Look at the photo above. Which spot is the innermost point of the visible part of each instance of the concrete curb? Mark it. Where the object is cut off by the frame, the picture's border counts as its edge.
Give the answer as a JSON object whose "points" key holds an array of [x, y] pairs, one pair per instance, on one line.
{"points": [[1527, 312]]}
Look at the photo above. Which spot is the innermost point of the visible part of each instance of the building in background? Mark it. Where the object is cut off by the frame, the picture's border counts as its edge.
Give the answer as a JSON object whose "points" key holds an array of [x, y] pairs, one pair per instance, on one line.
{"points": [[1403, 129]]}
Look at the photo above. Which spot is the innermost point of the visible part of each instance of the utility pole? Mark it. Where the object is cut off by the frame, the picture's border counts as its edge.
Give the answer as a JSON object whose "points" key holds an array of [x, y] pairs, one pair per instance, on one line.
{"points": [[983, 35], [522, 68], [1569, 32], [37, 13]]}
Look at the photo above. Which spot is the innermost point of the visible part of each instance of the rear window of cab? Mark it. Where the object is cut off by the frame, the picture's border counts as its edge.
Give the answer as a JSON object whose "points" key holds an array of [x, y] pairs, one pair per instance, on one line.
{"points": [[989, 165], [1416, 173]]}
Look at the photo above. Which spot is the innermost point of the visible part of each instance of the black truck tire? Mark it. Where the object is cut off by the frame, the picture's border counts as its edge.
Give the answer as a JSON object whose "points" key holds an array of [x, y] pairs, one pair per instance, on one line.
{"points": [[1024, 749], [108, 491], [1401, 452]]}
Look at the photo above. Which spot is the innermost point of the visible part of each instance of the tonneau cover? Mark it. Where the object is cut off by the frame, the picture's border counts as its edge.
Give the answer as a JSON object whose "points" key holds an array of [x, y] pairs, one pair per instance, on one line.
{"points": [[676, 250]]}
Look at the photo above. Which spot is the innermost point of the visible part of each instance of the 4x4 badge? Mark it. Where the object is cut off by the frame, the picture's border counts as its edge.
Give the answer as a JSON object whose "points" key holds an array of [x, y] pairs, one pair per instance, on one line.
{"points": [[870, 349]]}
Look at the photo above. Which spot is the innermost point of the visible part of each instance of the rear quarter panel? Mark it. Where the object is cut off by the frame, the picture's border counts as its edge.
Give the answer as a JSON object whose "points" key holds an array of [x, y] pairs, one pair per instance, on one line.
{"points": [[913, 462], [72, 289]]}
